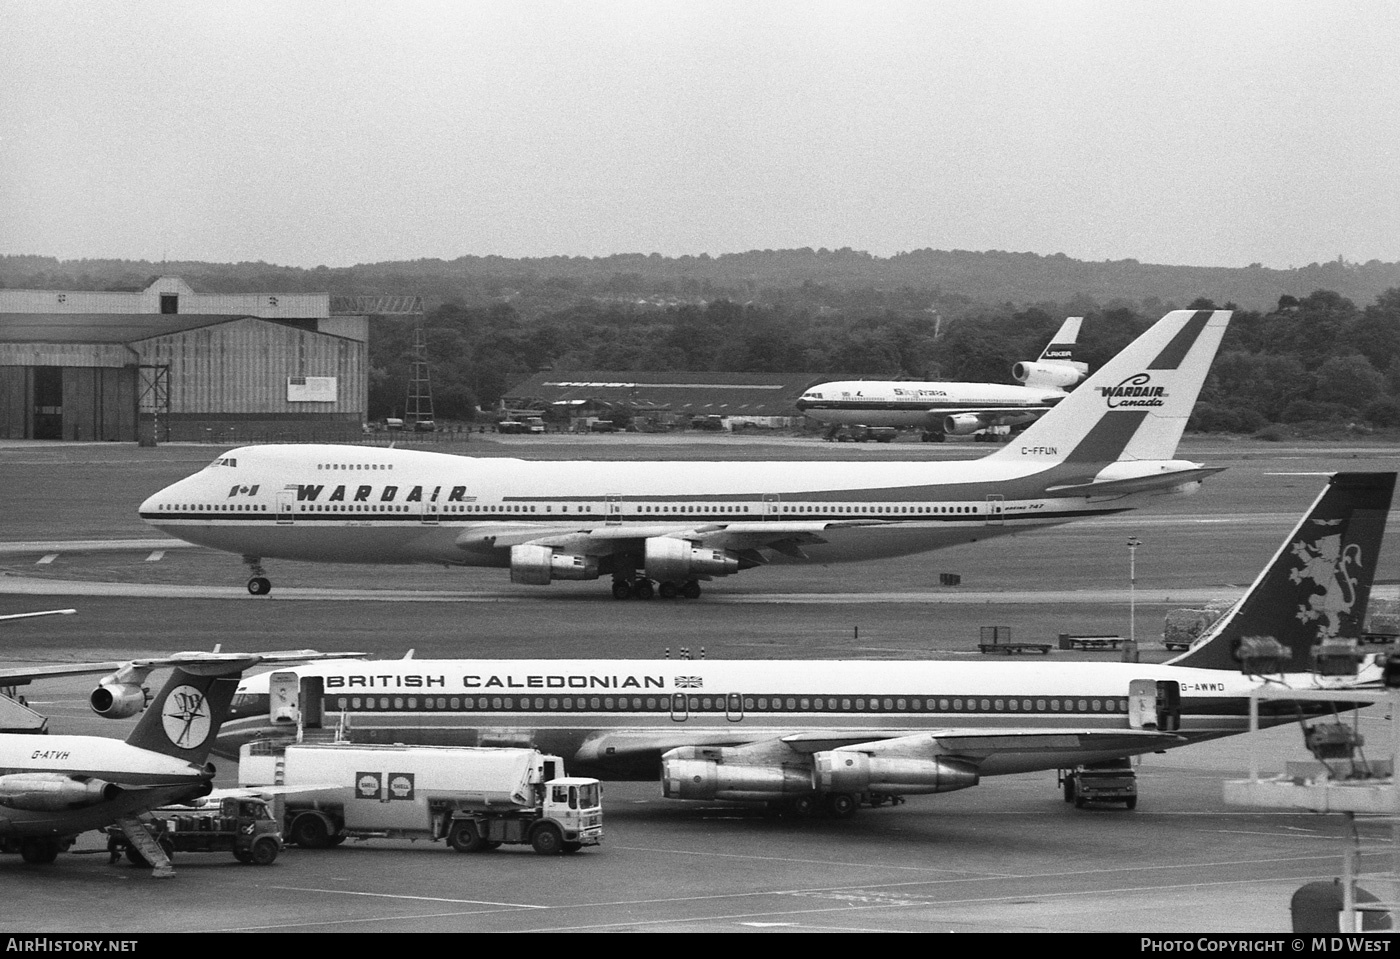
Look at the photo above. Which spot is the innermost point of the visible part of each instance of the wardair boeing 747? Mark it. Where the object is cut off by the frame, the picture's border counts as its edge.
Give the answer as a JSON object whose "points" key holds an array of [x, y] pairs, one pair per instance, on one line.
{"points": [[1105, 448], [807, 733]]}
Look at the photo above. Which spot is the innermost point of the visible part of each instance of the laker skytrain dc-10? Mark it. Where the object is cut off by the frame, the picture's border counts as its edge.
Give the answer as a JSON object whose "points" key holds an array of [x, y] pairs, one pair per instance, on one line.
{"points": [[1105, 448], [803, 734], [956, 409]]}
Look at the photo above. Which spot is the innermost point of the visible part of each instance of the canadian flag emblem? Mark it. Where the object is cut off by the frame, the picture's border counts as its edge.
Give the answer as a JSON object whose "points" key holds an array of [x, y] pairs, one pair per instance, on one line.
{"points": [[237, 490]]}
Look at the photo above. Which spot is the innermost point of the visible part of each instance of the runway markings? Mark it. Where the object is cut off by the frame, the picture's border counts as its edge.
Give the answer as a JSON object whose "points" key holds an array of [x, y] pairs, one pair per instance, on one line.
{"points": [[389, 895]]}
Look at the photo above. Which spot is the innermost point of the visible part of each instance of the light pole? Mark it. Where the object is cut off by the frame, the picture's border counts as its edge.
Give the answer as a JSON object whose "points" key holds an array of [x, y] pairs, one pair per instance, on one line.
{"points": [[1133, 544]]}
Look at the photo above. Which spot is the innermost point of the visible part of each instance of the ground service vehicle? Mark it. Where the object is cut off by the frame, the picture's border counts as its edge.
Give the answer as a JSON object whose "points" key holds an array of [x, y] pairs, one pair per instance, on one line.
{"points": [[243, 826], [475, 798], [864, 434], [1105, 782], [535, 425]]}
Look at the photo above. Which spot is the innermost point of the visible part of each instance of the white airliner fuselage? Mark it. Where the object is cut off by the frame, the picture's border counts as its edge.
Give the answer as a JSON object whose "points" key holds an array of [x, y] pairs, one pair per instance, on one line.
{"points": [[364, 504], [615, 719]]}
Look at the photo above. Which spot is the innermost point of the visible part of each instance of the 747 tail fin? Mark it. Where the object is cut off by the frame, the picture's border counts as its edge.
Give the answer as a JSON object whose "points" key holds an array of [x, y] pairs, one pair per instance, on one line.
{"points": [[1317, 585], [1135, 407]]}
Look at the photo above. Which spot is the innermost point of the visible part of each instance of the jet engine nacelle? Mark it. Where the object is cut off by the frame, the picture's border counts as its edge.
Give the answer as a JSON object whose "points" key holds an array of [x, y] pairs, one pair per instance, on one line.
{"points": [[705, 779], [538, 565], [850, 771], [119, 700], [45, 792], [963, 424], [672, 560], [1062, 375]]}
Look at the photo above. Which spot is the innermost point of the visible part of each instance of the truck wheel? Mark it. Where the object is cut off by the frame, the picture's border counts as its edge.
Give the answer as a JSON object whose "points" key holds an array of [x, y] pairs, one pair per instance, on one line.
{"points": [[1078, 802], [309, 832], [547, 839], [264, 852], [243, 855], [571, 847], [465, 837], [841, 805], [37, 851], [1069, 790], [1130, 802]]}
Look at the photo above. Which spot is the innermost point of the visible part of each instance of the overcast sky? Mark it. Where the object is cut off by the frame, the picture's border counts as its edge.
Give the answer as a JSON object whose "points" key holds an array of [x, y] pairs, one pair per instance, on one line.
{"points": [[306, 133]]}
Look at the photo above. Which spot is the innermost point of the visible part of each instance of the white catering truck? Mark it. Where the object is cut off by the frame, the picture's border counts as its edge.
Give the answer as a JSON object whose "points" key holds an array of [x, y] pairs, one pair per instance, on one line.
{"points": [[474, 797]]}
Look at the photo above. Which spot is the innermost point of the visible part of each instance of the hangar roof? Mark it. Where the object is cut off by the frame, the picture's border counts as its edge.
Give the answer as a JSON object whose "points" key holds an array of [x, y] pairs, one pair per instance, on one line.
{"points": [[724, 394], [100, 327]]}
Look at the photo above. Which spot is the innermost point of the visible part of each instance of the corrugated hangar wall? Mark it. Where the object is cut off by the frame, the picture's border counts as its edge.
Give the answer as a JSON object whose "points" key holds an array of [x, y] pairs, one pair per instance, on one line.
{"points": [[240, 369]]}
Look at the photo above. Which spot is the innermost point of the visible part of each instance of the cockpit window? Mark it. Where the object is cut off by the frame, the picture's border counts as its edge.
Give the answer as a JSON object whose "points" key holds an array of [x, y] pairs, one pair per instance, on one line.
{"points": [[225, 461]]}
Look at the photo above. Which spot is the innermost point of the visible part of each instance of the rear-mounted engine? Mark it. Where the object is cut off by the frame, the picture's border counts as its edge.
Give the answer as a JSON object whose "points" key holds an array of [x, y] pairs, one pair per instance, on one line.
{"points": [[1050, 374], [118, 700]]}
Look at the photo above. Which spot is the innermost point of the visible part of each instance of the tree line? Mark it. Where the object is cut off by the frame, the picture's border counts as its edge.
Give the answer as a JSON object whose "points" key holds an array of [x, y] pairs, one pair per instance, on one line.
{"points": [[1316, 359]]}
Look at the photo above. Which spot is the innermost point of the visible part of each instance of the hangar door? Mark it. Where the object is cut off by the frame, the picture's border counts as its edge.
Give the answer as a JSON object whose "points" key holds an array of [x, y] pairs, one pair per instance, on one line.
{"points": [[68, 403]]}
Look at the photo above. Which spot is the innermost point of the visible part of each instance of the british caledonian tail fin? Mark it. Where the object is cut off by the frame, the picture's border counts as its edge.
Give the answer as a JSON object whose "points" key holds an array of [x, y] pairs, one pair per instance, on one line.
{"points": [[1318, 583], [185, 717], [1136, 405]]}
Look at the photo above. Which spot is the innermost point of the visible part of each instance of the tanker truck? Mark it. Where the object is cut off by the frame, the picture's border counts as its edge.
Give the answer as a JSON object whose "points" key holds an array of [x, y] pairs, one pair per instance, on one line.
{"points": [[475, 798]]}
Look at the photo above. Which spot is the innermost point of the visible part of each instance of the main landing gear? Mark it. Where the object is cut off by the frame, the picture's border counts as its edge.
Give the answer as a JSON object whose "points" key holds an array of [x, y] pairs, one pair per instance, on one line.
{"points": [[259, 585], [641, 588]]}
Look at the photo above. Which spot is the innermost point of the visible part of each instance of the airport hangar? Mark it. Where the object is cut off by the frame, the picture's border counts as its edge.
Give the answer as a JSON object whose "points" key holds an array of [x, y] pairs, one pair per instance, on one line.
{"points": [[167, 363], [664, 400]]}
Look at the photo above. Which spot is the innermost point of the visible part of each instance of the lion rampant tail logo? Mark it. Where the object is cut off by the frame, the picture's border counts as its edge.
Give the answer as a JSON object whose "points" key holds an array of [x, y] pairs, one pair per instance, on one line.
{"points": [[1331, 569]]}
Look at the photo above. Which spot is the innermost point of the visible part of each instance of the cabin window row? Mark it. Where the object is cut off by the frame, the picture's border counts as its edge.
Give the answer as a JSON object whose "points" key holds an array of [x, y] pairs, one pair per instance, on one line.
{"points": [[210, 508], [720, 704], [354, 466]]}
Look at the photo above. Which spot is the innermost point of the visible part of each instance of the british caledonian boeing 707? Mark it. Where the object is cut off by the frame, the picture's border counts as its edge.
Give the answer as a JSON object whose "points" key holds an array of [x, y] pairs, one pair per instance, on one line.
{"points": [[1107, 447], [808, 733], [953, 409]]}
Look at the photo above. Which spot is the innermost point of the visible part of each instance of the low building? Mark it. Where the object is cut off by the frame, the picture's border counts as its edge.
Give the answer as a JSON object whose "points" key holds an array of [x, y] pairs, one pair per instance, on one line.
{"points": [[663, 400], [169, 363]]}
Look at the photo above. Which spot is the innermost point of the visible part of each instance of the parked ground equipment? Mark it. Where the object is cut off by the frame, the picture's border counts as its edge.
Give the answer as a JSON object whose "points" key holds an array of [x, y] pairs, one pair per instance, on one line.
{"points": [[473, 797], [243, 826]]}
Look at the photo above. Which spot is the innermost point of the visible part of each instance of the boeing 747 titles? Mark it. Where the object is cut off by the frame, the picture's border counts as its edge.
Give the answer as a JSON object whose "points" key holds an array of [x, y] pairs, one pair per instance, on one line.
{"points": [[953, 409], [834, 733], [1105, 448], [54, 787]]}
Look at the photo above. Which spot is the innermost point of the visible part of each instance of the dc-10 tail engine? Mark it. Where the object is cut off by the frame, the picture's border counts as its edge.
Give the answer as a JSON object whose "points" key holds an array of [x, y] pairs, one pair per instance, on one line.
{"points": [[1050, 375], [538, 565], [671, 560]]}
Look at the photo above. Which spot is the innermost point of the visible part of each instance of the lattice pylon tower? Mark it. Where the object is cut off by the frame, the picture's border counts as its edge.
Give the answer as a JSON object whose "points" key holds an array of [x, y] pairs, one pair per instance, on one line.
{"points": [[418, 407]]}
